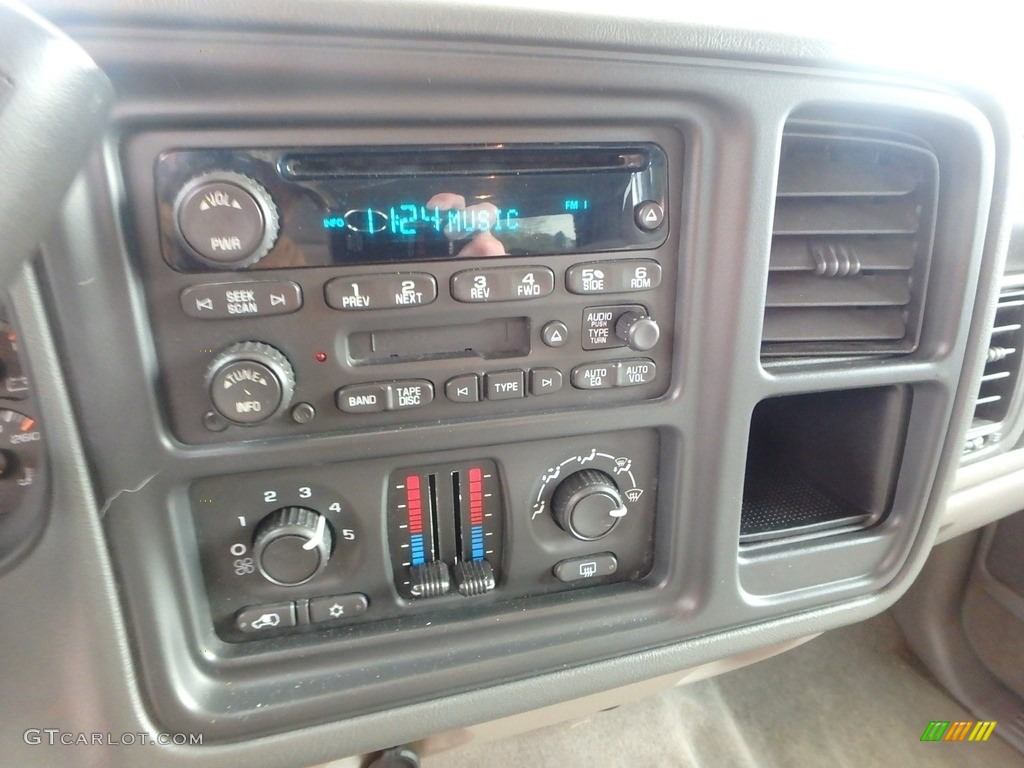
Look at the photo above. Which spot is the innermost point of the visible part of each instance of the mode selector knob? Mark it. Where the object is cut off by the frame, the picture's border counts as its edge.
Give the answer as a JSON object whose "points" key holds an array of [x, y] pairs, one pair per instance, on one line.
{"points": [[228, 220], [250, 382], [588, 504], [292, 545], [637, 330]]}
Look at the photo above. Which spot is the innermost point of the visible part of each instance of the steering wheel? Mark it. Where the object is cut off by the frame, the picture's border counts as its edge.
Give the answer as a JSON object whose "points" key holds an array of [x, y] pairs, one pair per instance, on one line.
{"points": [[54, 101]]}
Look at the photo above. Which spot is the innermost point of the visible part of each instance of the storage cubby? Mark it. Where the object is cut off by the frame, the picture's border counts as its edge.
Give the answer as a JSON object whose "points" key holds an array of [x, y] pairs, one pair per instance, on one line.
{"points": [[823, 462]]}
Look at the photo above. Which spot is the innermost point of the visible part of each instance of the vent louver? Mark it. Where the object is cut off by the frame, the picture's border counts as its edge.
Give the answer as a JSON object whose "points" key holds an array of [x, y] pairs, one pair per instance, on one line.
{"points": [[854, 222], [1002, 369]]}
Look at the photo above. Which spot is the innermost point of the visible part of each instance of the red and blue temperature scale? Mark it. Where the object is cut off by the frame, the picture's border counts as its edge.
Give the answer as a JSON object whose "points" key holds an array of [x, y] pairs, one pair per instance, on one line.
{"points": [[450, 513], [476, 513], [414, 504]]}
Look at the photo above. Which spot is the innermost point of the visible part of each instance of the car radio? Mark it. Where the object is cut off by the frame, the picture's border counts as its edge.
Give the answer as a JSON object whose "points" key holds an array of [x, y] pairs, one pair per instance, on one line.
{"points": [[311, 289]]}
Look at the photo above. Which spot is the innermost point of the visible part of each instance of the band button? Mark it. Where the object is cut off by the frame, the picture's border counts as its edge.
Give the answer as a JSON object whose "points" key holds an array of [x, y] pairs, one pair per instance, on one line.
{"points": [[362, 398]]}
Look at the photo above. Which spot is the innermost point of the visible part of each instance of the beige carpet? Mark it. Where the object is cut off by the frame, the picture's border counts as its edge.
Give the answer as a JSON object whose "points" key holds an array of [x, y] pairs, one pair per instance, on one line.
{"points": [[851, 698]]}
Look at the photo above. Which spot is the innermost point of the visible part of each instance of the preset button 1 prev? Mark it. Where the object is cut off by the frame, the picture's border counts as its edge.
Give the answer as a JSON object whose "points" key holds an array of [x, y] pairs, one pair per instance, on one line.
{"points": [[387, 291]]}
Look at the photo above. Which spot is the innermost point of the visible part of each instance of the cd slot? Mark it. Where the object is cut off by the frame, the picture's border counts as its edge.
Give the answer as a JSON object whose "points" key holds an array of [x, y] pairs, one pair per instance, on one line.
{"points": [[492, 339], [455, 162]]}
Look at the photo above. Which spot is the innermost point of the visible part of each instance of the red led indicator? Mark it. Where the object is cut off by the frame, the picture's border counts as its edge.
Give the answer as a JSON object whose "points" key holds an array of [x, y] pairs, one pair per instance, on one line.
{"points": [[321, 357], [414, 503], [476, 496]]}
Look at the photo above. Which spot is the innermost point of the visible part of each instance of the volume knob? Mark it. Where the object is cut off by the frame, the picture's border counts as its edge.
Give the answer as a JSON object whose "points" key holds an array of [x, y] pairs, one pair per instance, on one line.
{"points": [[226, 219], [250, 382]]}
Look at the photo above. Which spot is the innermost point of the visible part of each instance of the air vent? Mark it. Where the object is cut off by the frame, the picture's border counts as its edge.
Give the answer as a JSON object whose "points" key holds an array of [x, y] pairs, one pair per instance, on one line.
{"points": [[854, 222], [1002, 369]]}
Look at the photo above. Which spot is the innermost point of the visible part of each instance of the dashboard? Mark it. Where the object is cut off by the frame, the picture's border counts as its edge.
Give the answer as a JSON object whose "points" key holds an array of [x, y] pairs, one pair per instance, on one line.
{"points": [[376, 380]]}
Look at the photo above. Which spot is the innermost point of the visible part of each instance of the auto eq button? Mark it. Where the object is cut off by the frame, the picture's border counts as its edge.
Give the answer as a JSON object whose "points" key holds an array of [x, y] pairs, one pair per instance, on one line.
{"points": [[594, 376]]}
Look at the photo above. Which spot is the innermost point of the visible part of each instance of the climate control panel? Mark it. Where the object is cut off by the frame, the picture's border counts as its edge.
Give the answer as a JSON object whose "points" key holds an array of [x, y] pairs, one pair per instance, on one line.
{"points": [[368, 541]]}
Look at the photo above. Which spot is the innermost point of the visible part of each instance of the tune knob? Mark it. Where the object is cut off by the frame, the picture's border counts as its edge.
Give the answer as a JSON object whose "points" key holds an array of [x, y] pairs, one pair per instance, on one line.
{"points": [[250, 382], [588, 504], [226, 219], [637, 330], [292, 545]]}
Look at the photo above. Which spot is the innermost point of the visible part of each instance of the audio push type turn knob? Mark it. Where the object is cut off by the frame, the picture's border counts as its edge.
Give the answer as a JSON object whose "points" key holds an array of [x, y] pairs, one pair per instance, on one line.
{"points": [[639, 332]]}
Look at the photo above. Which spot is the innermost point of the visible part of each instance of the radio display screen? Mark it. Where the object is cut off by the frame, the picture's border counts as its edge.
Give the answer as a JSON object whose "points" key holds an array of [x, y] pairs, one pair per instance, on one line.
{"points": [[351, 206]]}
